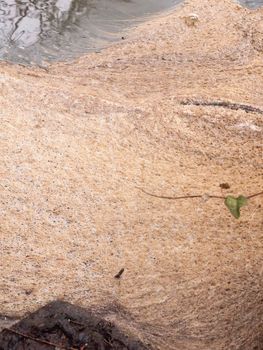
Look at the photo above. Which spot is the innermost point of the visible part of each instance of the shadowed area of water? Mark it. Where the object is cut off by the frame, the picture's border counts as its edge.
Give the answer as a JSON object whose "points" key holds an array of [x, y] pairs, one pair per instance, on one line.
{"points": [[34, 31], [37, 30]]}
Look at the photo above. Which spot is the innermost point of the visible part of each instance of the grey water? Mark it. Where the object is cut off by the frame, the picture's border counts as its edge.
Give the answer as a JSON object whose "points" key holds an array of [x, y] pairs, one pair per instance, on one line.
{"points": [[35, 31], [252, 3]]}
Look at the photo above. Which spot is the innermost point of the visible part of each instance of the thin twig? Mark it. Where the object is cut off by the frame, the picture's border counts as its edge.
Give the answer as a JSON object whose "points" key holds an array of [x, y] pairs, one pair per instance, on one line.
{"points": [[224, 104], [37, 339], [77, 323], [107, 342], [119, 274]]}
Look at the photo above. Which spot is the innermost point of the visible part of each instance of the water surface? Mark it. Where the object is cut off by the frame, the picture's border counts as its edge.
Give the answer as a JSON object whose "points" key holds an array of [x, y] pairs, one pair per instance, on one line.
{"points": [[252, 3], [37, 30]]}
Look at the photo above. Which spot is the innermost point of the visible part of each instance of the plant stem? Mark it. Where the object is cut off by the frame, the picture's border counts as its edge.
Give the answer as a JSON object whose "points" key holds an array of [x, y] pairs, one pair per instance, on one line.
{"points": [[181, 197], [193, 196], [42, 341], [255, 195]]}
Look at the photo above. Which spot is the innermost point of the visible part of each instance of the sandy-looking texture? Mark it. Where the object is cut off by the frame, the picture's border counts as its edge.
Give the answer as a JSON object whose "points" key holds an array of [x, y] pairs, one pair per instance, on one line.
{"points": [[76, 141]]}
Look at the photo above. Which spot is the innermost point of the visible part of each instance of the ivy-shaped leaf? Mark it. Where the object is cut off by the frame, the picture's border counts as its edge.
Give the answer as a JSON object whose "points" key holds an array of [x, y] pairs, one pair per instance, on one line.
{"points": [[234, 205]]}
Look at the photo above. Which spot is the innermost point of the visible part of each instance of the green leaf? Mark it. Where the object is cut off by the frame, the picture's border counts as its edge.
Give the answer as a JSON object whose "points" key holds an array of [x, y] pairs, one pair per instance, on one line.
{"points": [[234, 205]]}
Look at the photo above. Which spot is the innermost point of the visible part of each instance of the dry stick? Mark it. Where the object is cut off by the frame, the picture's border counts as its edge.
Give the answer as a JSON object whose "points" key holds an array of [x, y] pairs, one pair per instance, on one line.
{"points": [[193, 196], [37, 339], [224, 104], [77, 323], [119, 274]]}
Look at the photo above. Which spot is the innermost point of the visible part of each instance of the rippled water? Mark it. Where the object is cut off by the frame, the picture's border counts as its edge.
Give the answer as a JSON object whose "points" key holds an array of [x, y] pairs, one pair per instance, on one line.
{"points": [[35, 30]]}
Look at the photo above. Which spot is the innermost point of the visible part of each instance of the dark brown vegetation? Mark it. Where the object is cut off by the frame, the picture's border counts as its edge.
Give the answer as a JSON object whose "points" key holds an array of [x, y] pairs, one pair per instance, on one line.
{"points": [[60, 325]]}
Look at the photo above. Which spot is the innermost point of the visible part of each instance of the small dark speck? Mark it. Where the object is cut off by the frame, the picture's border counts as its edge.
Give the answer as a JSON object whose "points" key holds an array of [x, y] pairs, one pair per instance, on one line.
{"points": [[119, 274], [225, 186], [28, 291]]}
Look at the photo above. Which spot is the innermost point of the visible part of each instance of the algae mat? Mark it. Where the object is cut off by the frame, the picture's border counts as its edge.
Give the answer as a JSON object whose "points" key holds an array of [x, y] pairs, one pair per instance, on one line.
{"points": [[78, 140]]}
